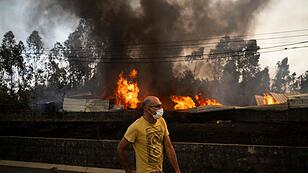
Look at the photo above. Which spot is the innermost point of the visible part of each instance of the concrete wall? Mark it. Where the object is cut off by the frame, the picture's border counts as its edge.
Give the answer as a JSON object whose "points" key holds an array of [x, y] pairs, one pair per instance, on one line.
{"points": [[193, 157], [235, 115], [291, 134], [242, 126]]}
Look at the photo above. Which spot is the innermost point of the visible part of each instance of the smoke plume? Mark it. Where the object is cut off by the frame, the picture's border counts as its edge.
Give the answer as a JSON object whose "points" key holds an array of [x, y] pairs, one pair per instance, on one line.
{"points": [[153, 23]]}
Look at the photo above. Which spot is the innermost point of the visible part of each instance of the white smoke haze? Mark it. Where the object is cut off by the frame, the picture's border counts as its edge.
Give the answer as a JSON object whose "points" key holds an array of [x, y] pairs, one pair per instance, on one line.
{"points": [[22, 17]]}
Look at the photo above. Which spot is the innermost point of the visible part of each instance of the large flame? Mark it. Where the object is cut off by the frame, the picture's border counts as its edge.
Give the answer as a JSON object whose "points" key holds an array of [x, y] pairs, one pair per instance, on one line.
{"points": [[206, 101], [268, 99], [133, 73], [186, 102], [127, 91], [183, 102]]}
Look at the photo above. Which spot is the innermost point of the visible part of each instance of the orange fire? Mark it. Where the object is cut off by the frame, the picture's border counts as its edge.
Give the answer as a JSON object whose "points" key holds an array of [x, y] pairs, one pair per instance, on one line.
{"points": [[268, 99], [183, 102], [133, 73], [127, 91], [186, 102], [206, 101]]}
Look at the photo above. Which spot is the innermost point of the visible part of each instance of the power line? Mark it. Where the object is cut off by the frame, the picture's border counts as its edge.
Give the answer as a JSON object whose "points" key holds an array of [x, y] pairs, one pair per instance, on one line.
{"points": [[203, 54], [215, 43], [285, 49], [174, 58], [172, 61], [211, 38], [180, 46], [289, 44]]}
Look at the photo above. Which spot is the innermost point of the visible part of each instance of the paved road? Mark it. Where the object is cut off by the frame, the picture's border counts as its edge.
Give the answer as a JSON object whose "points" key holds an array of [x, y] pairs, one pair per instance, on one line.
{"points": [[9, 169], [8, 166]]}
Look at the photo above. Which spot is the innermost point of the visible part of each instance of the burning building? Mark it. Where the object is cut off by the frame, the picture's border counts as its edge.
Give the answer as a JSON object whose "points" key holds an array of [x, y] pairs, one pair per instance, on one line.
{"points": [[271, 99], [296, 100]]}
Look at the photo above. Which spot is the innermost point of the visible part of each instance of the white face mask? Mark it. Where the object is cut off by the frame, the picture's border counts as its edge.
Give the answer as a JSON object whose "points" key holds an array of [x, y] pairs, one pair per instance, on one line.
{"points": [[159, 113]]}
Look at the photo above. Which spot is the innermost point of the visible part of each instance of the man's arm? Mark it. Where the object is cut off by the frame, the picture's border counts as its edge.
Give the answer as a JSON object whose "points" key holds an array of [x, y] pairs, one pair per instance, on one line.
{"points": [[171, 154], [122, 154]]}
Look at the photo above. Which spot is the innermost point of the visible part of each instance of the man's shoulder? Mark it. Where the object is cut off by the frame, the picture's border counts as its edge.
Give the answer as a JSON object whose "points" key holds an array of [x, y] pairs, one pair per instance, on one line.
{"points": [[137, 122], [162, 120]]}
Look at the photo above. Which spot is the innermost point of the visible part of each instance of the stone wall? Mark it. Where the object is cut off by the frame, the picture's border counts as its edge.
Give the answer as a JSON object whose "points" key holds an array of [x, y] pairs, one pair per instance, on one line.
{"points": [[291, 134], [193, 157], [235, 115], [239, 126]]}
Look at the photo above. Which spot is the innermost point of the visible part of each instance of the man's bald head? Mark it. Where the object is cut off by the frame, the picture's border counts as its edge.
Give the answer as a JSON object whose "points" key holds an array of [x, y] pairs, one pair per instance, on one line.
{"points": [[150, 101], [149, 107]]}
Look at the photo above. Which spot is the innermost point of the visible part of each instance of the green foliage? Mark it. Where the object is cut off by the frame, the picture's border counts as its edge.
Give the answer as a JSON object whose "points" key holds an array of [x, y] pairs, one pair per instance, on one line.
{"points": [[282, 77], [34, 58], [235, 68], [57, 70], [12, 68], [303, 82], [79, 53]]}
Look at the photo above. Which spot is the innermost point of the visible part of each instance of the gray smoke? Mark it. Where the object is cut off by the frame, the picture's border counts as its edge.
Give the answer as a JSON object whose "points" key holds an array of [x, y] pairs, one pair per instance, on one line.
{"points": [[45, 16], [119, 23]]}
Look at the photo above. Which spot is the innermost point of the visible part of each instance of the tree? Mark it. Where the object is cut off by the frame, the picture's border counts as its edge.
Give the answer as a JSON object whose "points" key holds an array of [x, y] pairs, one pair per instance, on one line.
{"points": [[2, 70], [235, 65], [35, 50], [9, 60], [282, 78], [219, 56], [248, 62], [294, 83], [263, 81], [12, 60], [23, 80], [303, 82], [12, 68], [229, 84], [76, 55], [83, 50], [57, 67], [4, 90]]}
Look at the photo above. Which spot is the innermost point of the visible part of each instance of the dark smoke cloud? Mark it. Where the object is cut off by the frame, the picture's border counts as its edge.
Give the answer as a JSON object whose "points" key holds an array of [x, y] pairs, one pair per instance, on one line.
{"points": [[163, 20], [117, 22]]}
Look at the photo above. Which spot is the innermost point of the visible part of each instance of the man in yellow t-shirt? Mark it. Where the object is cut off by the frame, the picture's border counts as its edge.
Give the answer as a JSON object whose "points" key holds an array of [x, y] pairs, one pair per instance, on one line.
{"points": [[149, 136]]}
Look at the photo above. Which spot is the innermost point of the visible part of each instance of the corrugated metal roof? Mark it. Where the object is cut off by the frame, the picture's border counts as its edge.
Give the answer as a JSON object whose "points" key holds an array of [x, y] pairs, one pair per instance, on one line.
{"points": [[280, 98], [282, 106], [208, 108], [259, 100], [303, 96], [285, 101], [298, 101], [85, 105]]}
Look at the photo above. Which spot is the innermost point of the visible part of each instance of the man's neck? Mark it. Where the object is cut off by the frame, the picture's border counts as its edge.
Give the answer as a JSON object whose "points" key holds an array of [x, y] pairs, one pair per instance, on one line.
{"points": [[150, 120]]}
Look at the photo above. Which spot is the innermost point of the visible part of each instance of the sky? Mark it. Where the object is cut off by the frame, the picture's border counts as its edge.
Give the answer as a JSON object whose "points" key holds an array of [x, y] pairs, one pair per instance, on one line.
{"points": [[279, 15], [284, 15], [14, 18]]}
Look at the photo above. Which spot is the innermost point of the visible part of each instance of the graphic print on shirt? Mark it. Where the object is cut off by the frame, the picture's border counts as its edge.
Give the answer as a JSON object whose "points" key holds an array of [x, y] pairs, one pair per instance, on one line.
{"points": [[154, 136]]}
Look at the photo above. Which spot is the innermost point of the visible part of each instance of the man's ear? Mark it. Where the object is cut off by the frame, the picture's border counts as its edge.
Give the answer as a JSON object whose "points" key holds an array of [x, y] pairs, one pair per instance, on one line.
{"points": [[149, 110], [145, 110]]}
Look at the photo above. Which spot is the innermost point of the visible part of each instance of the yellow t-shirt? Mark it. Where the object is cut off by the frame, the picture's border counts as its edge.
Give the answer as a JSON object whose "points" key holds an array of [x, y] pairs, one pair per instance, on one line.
{"points": [[148, 143]]}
